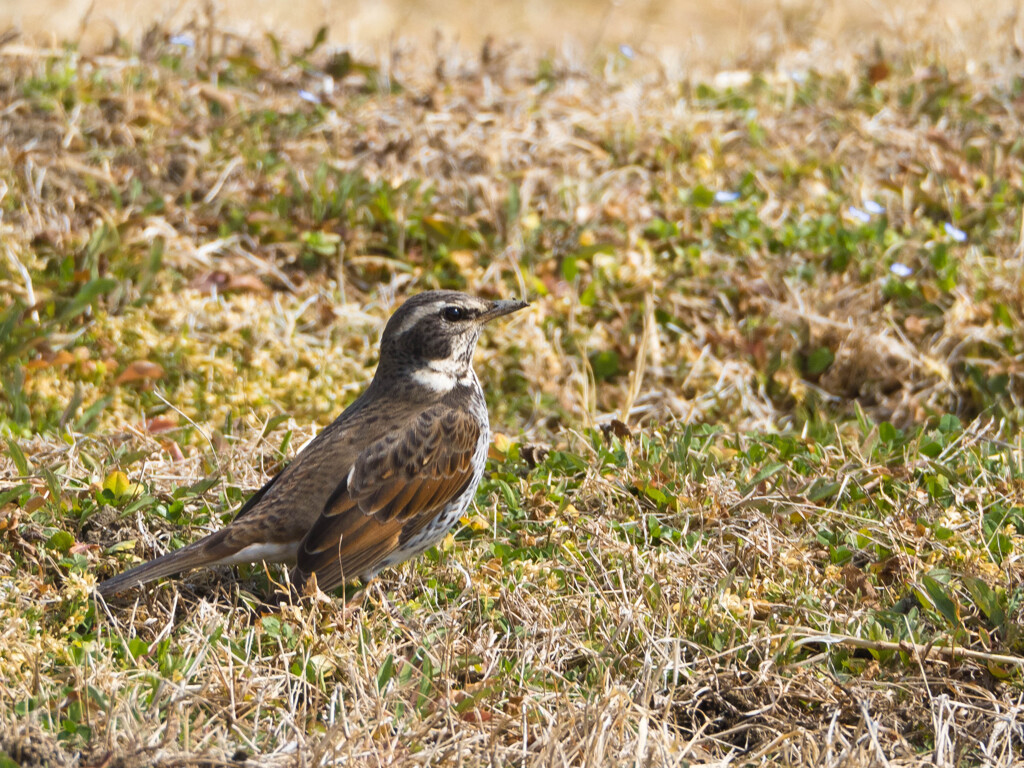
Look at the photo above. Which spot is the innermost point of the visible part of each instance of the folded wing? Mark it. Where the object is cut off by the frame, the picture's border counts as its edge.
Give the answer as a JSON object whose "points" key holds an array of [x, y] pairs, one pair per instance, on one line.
{"points": [[395, 488]]}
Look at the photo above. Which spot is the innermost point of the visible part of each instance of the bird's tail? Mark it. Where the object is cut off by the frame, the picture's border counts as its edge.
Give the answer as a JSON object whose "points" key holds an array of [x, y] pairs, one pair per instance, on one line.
{"points": [[183, 559]]}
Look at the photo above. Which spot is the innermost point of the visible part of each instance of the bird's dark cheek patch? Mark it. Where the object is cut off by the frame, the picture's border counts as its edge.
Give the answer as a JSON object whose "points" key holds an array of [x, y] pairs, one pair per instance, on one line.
{"points": [[440, 350]]}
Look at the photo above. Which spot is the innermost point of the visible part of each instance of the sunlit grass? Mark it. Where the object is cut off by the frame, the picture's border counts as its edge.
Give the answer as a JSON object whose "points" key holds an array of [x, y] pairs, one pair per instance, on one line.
{"points": [[759, 469]]}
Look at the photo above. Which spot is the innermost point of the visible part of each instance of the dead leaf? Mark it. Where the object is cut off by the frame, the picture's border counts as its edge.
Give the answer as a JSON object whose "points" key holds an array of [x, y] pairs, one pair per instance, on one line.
{"points": [[140, 370], [915, 326], [857, 581], [890, 569], [534, 453], [173, 450], [159, 424], [499, 447], [226, 282], [474, 713], [616, 428], [9, 517], [878, 71], [62, 357], [34, 503]]}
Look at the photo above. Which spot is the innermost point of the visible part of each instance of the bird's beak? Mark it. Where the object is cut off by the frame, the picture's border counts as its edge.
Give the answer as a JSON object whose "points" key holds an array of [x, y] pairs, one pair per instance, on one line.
{"points": [[503, 307]]}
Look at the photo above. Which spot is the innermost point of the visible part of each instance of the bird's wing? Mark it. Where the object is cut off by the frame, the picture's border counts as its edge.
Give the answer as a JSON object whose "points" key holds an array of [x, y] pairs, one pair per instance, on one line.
{"points": [[395, 488], [255, 499]]}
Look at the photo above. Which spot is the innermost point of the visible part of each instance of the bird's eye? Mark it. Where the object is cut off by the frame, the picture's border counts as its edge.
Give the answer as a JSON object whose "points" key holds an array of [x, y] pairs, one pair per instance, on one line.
{"points": [[453, 314]]}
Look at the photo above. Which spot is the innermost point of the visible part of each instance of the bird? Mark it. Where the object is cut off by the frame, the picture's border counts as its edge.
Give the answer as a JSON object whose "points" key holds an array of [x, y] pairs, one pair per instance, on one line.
{"points": [[382, 483]]}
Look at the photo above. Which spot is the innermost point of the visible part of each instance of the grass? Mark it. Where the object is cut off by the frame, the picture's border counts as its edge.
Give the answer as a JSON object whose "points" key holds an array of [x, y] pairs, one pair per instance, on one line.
{"points": [[758, 492]]}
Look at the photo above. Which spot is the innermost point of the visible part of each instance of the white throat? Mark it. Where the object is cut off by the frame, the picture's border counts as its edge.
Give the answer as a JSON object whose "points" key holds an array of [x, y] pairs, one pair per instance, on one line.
{"points": [[442, 375]]}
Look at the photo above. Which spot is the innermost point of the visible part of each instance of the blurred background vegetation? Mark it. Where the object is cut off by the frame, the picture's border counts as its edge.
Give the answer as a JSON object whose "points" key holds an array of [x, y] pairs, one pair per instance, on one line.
{"points": [[697, 37]]}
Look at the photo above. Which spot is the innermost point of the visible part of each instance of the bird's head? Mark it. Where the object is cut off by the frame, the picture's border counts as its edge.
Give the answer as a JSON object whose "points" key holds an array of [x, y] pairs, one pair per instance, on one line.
{"points": [[431, 337]]}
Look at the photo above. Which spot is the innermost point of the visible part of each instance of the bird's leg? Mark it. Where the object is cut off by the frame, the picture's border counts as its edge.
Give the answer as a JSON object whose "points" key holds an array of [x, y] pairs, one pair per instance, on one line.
{"points": [[375, 592], [359, 597]]}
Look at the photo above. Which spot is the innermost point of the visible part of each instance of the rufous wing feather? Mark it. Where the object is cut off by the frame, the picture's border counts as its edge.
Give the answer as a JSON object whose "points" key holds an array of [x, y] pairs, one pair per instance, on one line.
{"points": [[394, 489]]}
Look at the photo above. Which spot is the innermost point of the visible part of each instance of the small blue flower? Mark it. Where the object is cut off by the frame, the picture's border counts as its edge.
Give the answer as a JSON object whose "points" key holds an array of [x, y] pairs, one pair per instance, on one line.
{"points": [[957, 234], [726, 197], [183, 40], [873, 208], [858, 214], [309, 96], [900, 270]]}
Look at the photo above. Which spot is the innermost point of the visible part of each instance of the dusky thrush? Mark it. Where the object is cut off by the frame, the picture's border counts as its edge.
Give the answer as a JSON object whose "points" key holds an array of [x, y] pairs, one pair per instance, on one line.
{"points": [[387, 479]]}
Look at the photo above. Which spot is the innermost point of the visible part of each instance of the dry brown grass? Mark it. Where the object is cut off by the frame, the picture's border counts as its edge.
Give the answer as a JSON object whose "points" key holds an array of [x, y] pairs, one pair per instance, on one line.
{"points": [[655, 596]]}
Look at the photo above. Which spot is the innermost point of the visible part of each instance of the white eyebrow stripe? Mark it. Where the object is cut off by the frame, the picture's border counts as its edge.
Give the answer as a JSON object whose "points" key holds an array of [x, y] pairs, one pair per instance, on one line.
{"points": [[417, 314]]}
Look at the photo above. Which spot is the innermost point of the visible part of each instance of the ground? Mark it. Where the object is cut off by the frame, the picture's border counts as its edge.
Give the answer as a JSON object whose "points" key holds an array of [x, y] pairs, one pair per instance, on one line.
{"points": [[757, 492]]}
